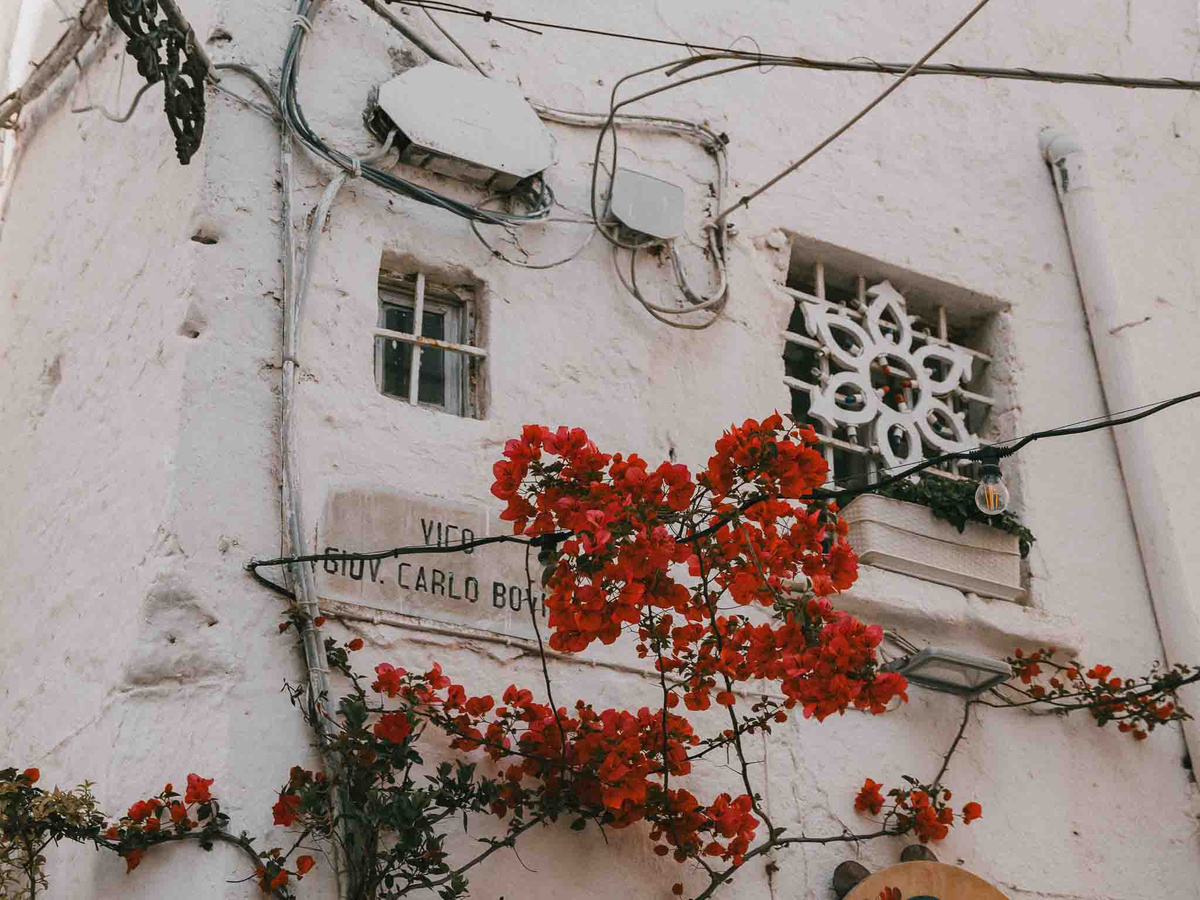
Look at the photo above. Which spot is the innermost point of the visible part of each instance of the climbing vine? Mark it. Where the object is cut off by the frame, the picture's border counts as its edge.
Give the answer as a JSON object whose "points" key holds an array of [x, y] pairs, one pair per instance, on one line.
{"points": [[718, 581]]}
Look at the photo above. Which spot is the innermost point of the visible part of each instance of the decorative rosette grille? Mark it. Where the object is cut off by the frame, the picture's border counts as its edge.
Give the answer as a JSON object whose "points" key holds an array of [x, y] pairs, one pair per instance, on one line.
{"points": [[877, 389]]}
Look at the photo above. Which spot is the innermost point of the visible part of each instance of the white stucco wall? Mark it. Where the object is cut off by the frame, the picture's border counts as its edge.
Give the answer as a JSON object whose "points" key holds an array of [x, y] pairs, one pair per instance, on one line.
{"points": [[141, 463]]}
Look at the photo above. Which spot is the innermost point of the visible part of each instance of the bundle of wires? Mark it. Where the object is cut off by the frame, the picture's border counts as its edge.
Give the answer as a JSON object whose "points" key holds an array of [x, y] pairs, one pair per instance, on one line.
{"points": [[681, 315], [535, 191]]}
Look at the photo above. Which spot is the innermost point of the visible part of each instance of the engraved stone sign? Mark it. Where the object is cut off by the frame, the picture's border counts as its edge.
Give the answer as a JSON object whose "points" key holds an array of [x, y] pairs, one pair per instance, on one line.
{"points": [[485, 587]]}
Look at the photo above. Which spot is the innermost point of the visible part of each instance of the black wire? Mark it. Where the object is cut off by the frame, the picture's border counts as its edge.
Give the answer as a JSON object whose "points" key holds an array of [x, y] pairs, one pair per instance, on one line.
{"points": [[869, 65], [990, 451], [540, 541], [1000, 450], [294, 114]]}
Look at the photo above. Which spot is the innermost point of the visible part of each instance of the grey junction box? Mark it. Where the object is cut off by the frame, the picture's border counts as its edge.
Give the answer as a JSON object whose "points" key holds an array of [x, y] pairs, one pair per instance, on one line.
{"points": [[463, 125]]}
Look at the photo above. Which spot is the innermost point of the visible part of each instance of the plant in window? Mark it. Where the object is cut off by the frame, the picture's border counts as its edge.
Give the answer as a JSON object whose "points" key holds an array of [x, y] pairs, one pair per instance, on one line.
{"points": [[954, 501]]}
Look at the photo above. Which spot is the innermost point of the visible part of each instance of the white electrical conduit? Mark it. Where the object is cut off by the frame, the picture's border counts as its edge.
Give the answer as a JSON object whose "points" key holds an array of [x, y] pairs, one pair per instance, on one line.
{"points": [[1152, 484]]}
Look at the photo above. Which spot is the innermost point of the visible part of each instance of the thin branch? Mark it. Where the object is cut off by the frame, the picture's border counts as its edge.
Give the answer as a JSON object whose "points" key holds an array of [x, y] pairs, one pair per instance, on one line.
{"points": [[562, 734], [87, 23], [509, 841], [962, 727]]}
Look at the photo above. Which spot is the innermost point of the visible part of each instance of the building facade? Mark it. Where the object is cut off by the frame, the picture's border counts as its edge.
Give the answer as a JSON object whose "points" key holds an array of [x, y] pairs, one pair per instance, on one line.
{"points": [[141, 337]]}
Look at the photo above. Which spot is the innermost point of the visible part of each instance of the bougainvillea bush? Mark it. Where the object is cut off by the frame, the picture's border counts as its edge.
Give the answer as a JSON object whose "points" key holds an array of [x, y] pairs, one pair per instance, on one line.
{"points": [[719, 580]]}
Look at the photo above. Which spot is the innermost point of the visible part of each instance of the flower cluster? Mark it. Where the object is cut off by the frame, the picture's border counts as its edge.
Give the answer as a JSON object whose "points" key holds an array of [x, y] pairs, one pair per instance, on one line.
{"points": [[920, 808], [1137, 705], [630, 526], [606, 765], [658, 550], [274, 874], [164, 817]]}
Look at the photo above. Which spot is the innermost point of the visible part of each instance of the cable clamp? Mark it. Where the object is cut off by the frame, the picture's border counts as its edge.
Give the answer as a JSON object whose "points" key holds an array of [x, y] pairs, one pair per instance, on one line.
{"points": [[288, 358], [303, 22], [356, 170], [487, 16]]}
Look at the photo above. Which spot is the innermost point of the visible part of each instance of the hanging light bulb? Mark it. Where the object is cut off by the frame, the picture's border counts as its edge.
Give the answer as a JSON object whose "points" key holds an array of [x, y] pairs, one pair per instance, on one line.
{"points": [[992, 494]]}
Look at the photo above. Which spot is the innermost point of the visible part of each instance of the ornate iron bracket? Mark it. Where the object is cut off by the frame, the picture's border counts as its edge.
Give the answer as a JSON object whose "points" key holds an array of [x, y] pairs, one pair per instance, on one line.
{"points": [[167, 50]]}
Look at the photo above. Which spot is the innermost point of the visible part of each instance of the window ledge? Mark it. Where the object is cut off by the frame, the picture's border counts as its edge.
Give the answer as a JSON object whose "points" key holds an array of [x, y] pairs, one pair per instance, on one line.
{"points": [[943, 614]]}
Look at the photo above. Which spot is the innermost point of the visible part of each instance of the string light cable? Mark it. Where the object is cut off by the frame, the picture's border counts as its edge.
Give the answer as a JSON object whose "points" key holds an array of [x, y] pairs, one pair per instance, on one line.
{"points": [[547, 542], [1002, 449]]}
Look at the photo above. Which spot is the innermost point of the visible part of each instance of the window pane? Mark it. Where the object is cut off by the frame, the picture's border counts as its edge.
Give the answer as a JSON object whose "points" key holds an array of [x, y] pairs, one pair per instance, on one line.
{"points": [[431, 386], [397, 357]]}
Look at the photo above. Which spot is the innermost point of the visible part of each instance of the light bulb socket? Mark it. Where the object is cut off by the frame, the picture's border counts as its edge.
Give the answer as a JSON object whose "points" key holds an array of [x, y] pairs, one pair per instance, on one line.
{"points": [[989, 468]]}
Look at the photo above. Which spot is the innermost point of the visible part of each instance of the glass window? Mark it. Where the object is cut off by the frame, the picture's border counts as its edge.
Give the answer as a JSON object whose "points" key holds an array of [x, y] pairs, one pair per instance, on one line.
{"points": [[444, 371]]}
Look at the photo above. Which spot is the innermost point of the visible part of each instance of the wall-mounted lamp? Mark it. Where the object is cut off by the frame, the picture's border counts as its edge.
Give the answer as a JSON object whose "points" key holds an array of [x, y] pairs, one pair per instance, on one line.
{"points": [[951, 672]]}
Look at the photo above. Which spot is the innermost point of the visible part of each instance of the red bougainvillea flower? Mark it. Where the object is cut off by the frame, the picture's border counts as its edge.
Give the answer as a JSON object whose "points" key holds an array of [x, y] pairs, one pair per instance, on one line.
{"points": [[387, 680], [133, 859], [178, 812], [32, 775], [869, 799], [394, 727], [197, 789], [971, 812], [279, 880], [285, 809], [356, 644], [143, 809], [304, 865], [1099, 673]]}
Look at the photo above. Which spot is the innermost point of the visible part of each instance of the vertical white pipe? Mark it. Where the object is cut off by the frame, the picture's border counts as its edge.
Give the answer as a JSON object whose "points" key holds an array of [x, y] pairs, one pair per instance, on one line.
{"points": [[414, 370], [1157, 488]]}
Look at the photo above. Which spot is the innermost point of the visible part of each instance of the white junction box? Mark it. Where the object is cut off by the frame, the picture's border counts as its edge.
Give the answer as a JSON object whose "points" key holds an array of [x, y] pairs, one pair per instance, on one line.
{"points": [[647, 205], [463, 125]]}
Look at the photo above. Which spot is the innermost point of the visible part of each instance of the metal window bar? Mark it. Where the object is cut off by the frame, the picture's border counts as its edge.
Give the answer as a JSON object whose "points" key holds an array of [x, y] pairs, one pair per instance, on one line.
{"points": [[859, 443]]}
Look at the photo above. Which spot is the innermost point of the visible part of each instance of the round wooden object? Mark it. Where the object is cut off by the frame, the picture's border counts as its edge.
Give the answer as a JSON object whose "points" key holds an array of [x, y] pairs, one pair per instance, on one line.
{"points": [[929, 879]]}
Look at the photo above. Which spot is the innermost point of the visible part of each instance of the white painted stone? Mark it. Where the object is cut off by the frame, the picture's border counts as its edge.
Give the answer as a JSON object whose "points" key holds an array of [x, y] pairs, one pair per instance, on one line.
{"points": [[140, 464]]}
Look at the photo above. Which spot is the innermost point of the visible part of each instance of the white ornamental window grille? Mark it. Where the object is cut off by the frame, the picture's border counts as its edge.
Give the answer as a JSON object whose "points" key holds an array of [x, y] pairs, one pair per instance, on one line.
{"points": [[882, 388], [424, 345]]}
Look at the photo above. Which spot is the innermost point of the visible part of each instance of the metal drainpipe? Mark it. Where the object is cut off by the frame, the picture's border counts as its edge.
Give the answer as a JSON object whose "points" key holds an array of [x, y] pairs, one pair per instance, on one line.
{"points": [[1146, 477]]}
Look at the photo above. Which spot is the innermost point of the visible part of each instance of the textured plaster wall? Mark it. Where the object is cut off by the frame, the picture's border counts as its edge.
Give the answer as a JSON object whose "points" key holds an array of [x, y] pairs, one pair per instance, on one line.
{"points": [[138, 418]]}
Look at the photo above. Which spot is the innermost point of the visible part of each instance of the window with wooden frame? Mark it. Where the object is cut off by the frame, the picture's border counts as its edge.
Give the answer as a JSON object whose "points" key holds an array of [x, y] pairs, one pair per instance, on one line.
{"points": [[425, 350]]}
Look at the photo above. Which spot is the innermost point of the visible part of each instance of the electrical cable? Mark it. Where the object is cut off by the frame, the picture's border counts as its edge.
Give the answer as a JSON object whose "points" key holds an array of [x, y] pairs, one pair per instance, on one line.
{"points": [[1021, 73], [236, 67], [658, 312], [498, 254], [408, 33], [714, 142], [535, 191], [1002, 449], [716, 235], [457, 46], [857, 117], [115, 117], [552, 539]]}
